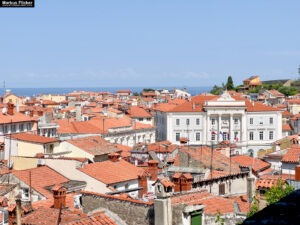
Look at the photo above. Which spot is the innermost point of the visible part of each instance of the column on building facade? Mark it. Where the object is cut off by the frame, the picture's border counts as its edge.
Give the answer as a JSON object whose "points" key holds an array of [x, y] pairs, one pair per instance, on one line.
{"points": [[231, 124], [206, 129], [219, 128], [244, 130]]}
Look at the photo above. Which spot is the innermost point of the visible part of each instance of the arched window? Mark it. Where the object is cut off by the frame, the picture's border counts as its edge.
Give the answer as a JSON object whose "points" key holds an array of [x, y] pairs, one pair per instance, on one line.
{"points": [[250, 152]]}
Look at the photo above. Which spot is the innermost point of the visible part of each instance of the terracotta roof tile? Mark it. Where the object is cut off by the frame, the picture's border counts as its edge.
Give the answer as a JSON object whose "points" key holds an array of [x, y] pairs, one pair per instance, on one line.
{"points": [[138, 112], [94, 145], [106, 171], [41, 177], [33, 138], [292, 155], [247, 161]]}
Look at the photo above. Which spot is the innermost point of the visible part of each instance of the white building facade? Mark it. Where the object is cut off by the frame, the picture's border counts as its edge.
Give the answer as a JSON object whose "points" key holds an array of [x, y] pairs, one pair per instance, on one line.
{"points": [[249, 125]]}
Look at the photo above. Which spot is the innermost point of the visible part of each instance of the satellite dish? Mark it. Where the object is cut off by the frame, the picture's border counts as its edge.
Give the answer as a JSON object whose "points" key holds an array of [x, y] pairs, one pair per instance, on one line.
{"points": [[4, 110]]}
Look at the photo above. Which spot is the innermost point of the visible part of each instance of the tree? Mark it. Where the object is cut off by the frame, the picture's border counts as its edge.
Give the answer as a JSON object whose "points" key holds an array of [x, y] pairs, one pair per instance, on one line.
{"points": [[216, 90], [229, 84], [288, 91], [278, 191], [254, 208]]}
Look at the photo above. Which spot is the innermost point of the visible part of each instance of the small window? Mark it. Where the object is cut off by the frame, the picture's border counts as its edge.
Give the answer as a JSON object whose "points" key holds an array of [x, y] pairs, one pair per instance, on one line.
{"points": [[197, 136], [213, 121], [236, 121], [251, 135], [213, 136], [251, 120], [197, 121], [271, 135], [187, 121], [21, 127], [5, 129], [29, 126], [25, 193], [261, 135], [126, 186], [271, 120], [222, 189], [177, 122], [177, 136], [14, 128]]}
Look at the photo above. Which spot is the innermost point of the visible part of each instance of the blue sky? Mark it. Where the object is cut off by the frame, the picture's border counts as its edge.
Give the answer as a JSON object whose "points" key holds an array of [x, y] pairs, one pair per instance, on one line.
{"points": [[148, 43]]}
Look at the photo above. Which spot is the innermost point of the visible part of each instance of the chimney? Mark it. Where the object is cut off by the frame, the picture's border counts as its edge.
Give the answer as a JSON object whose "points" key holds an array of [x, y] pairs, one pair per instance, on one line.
{"points": [[78, 113], [153, 170], [59, 196], [176, 181], [250, 188], [183, 182], [297, 172], [10, 108], [31, 113], [114, 157], [143, 183], [19, 209], [40, 113]]}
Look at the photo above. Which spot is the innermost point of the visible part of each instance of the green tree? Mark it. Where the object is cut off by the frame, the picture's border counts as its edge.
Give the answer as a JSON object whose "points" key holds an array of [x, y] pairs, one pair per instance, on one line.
{"points": [[288, 91], [217, 90], [278, 191], [229, 84]]}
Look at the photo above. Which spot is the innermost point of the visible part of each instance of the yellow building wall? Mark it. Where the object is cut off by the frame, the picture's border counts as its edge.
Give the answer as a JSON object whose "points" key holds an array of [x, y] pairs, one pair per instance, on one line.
{"points": [[22, 163], [56, 98], [29, 149], [14, 99], [75, 151]]}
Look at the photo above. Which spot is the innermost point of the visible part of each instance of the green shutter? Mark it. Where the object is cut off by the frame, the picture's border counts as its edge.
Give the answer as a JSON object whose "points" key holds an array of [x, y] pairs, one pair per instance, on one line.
{"points": [[196, 219]]}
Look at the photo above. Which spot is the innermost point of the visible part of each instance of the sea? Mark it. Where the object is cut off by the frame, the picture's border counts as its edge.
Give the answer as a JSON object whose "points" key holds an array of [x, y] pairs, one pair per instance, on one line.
{"points": [[31, 92]]}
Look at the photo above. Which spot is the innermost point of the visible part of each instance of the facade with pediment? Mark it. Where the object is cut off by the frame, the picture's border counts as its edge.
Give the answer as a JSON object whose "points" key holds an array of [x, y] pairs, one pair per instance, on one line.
{"points": [[207, 120]]}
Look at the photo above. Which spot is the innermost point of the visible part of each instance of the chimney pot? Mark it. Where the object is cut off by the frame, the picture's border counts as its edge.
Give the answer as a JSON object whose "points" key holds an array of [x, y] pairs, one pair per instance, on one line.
{"points": [[114, 157]]}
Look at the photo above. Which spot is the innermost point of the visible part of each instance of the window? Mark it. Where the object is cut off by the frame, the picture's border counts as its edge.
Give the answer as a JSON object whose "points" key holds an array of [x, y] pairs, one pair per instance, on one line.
{"points": [[126, 186], [271, 135], [261, 135], [197, 121], [213, 136], [222, 189], [271, 120], [49, 149], [21, 127], [197, 136], [187, 121], [13, 128], [251, 120], [177, 122], [236, 121], [251, 135], [5, 129], [25, 193], [29, 126], [177, 136], [213, 121]]}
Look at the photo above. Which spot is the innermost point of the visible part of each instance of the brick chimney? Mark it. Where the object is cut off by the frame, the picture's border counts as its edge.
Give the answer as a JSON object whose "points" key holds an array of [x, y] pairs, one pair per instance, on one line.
{"points": [[143, 183], [59, 196], [183, 182], [40, 113], [31, 113], [10, 108], [114, 157], [153, 169], [297, 172]]}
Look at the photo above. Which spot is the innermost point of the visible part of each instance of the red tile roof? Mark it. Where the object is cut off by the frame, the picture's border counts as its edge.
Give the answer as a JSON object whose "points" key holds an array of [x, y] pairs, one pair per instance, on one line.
{"points": [[138, 112], [94, 145], [33, 138], [213, 204], [41, 177], [100, 218], [15, 118], [292, 155], [247, 161], [110, 172], [286, 127]]}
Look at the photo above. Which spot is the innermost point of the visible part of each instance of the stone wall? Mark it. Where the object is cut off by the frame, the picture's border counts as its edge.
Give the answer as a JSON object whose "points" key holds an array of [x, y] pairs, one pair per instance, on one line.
{"points": [[130, 212]]}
